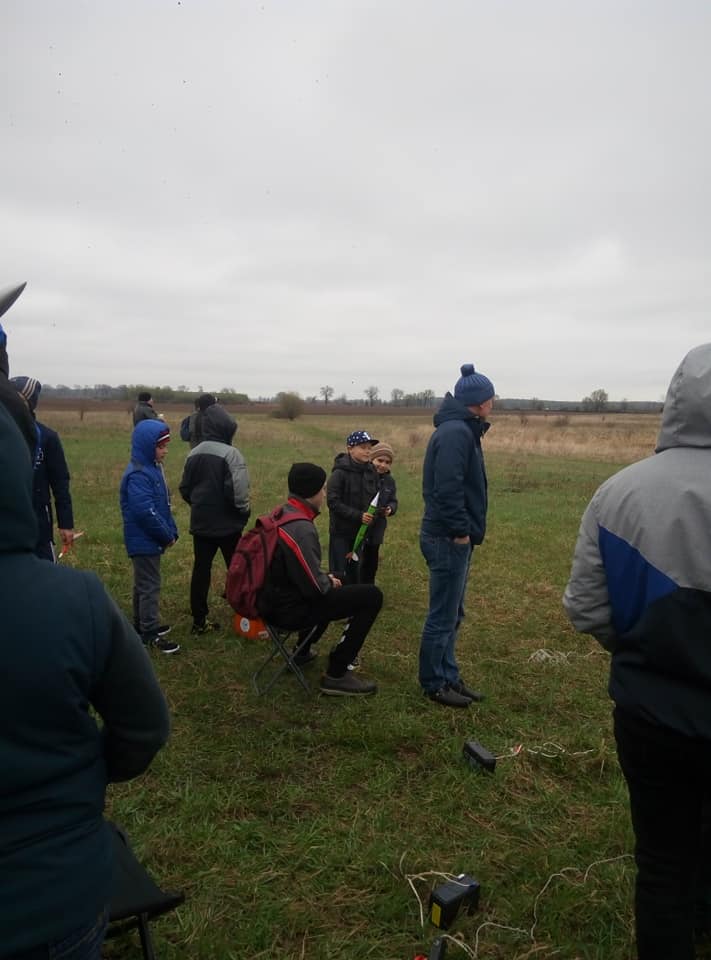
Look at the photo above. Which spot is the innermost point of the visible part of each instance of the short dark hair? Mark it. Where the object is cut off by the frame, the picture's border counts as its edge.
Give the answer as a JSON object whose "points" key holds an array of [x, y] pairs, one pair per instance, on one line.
{"points": [[143, 396]]}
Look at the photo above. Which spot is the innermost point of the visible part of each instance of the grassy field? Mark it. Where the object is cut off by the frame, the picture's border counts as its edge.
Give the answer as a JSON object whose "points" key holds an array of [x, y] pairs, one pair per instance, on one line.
{"points": [[300, 827]]}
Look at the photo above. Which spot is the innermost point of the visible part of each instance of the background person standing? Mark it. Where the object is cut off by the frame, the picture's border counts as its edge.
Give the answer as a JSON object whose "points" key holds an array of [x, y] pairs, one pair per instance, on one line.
{"points": [[144, 408], [215, 483], [454, 489]]}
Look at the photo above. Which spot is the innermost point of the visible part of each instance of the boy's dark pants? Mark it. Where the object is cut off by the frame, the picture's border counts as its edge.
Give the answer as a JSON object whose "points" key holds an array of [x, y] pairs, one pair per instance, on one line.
{"points": [[358, 603], [369, 562], [669, 781], [146, 593], [204, 550]]}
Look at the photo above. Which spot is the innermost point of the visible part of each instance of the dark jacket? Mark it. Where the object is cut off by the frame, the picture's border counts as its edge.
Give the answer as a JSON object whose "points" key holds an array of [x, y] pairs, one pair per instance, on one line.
{"points": [[148, 524], [295, 576], [350, 489], [454, 484], [64, 648], [387, 498], [641, 576], [51, 479], [215, 481], [143, 411]]}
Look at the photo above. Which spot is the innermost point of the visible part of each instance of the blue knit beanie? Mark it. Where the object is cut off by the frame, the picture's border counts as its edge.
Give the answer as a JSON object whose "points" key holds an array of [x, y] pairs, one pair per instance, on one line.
{"points": [[472, 389]]}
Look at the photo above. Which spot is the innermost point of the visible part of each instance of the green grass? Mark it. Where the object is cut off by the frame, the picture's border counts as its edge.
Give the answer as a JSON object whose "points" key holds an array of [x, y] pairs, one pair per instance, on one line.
{"points": [[292, 822]]}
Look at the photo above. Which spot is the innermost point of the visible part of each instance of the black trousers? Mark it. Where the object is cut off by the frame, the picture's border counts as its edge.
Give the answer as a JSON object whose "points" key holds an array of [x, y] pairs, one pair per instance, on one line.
{"points": [[669, 781], [369, 562], [204, 550], [359, 604]]}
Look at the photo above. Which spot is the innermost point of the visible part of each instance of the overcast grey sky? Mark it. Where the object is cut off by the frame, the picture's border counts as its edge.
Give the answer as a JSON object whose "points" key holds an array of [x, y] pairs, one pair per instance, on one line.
{"points": [[282, 195]]}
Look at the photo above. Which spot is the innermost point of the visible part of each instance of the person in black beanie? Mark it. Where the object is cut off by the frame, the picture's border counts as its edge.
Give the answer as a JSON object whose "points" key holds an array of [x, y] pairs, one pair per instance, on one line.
{"points": [[144, 408], [299, 594]]}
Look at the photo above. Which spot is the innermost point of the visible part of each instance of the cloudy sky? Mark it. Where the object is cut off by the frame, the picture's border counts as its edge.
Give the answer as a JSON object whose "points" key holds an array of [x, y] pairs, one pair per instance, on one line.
{"points": [[285, 194]]}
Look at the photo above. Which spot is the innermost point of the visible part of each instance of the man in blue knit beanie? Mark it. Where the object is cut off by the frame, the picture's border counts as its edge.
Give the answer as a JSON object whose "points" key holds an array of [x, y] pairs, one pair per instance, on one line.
{"points": [[454, 521]]}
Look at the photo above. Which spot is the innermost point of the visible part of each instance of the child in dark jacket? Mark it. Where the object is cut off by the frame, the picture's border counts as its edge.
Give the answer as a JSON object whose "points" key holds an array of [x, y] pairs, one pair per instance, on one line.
{"points": [[148, 527], [351, 487], [381, 456]]}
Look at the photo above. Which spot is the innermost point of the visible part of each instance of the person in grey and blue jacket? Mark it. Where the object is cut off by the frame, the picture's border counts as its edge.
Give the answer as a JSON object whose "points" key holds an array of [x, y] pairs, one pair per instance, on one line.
{"points": [[641, 585]]}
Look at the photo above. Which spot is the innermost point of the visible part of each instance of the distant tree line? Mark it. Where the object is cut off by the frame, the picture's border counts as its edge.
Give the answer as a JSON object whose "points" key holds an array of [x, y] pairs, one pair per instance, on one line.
{"points": [[289, 404]]}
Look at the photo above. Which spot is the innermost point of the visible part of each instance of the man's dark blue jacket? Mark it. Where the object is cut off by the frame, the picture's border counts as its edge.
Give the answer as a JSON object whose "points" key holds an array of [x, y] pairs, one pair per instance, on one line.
{"points": [[64, 648], [453, 475]]}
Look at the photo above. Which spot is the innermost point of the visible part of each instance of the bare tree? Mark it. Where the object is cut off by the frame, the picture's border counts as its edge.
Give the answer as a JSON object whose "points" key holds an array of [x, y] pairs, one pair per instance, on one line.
{"points": [[396, 396], [597, 401], [371, 395], [326, 392]]}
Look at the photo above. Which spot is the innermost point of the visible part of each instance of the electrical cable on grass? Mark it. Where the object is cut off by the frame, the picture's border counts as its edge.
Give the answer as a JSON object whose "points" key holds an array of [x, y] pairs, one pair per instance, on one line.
{"points": [[529, 933], [558, 656], [547, 749]]}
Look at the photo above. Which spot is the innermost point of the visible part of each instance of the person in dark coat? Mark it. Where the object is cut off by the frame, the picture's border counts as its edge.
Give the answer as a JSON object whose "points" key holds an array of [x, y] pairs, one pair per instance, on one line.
{"points": [[454, 489], [215, 483], [51, 479], [351, 487], [144, 408], [66, 652], [299, 594]]}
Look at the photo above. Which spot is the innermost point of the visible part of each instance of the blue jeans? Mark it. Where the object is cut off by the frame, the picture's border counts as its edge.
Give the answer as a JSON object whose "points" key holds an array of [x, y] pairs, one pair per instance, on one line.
{"points": [[448, 564]]}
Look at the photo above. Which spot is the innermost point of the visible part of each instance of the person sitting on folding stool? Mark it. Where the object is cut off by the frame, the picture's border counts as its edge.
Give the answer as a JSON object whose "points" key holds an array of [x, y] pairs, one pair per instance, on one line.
{"points": [[298, 593]]}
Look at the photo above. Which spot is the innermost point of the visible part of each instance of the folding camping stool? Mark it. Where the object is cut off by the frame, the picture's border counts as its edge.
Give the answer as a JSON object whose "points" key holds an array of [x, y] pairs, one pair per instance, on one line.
{"points": [[136, 898], [279, 637]]}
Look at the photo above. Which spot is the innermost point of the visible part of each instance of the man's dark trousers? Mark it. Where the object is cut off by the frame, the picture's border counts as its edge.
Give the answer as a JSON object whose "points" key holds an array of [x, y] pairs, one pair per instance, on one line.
{"points": [[204, 550], [359, 604], [669, 781]]}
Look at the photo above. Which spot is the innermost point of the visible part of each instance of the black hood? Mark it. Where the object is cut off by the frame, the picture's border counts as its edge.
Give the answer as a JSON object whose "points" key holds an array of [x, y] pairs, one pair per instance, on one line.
{"points": [[217, 424]]}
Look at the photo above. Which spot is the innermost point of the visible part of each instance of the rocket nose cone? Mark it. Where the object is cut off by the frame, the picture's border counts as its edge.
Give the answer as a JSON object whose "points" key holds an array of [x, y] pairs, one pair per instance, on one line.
{"points": [[8, 295]]}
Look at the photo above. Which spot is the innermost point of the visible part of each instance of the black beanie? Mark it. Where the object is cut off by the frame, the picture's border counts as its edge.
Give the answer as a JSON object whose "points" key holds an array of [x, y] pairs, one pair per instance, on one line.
{"points": [[206, 400], [306, 479]]}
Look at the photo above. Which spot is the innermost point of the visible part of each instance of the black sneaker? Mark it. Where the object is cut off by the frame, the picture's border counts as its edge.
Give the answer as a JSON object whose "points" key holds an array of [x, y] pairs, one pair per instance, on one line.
{"points": [[463, 690], [155, 642], [349, 685], [448, 697], [207, 626]]}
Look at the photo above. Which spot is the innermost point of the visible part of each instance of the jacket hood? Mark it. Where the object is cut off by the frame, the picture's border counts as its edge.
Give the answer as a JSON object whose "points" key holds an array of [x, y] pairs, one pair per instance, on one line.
{"points": [[217, 424], [18, 523], [686, 421], [144, 439], [452, 409], [343, 461]]}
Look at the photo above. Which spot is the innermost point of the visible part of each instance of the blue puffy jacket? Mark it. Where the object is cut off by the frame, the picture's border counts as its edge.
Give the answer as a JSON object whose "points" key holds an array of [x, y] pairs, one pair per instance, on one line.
{"points": [[454, 484], [148, 524]]}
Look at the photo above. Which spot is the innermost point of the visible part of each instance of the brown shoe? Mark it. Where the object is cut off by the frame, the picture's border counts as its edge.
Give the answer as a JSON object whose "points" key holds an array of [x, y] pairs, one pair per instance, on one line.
{"points": [[349, 685]]}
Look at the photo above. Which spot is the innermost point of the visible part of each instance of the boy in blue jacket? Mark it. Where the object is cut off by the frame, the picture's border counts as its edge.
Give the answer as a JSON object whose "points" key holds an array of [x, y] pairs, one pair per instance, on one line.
{"points": [[148, 527]]}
